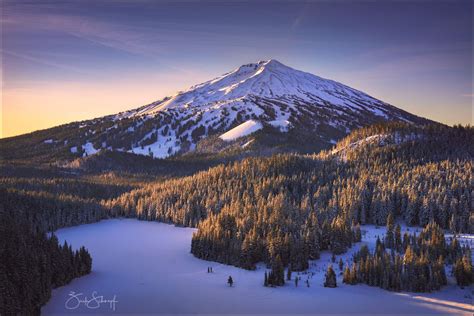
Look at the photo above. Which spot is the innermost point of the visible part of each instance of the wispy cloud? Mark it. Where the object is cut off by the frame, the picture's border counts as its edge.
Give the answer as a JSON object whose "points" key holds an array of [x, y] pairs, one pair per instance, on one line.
{"points": [[43, 61], [104, 33], [301, 16], [142, 41]]}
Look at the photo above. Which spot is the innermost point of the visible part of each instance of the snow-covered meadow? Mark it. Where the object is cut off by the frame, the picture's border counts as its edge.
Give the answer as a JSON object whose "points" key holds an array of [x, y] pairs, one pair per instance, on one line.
{"points": [[148, 268]]}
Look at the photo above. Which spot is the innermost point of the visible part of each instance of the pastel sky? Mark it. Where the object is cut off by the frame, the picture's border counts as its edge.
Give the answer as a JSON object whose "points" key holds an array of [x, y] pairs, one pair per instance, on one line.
{"points": [[75, 60]]}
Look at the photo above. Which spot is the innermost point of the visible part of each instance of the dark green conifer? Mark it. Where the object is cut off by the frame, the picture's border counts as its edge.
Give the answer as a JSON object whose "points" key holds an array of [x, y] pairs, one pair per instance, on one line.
{"points": [[330, 278]]}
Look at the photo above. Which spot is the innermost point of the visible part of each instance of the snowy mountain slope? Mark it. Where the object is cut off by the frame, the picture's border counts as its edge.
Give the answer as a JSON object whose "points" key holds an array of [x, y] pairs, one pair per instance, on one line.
{"points": [[267, 92], [272, 80]]}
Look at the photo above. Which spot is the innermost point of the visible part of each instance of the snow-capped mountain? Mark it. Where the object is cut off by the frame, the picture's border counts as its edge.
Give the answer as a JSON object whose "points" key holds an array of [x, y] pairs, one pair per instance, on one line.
{"points": [[263, 92], [291, 105], [268, 80]]}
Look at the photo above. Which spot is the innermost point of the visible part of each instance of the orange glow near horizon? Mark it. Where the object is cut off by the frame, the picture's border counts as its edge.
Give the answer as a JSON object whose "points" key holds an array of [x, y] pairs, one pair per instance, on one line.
{"points": [[34, 108], [27, 110]]}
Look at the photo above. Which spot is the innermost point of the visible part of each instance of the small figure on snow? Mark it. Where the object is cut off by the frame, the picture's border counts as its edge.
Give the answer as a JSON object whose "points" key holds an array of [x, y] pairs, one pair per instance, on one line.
{"points": [[230, 281]]}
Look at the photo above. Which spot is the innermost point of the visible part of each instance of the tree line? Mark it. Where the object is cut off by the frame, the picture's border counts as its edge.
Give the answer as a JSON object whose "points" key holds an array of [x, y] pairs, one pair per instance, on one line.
{"points": [[32, 264], [414, 263]]}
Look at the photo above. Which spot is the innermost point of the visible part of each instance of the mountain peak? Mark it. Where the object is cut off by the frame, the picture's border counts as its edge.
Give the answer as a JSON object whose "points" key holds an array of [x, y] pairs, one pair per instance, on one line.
{"points": [[260, 65], [266, 78], [264, 93], [274, 62], [270, 62]]}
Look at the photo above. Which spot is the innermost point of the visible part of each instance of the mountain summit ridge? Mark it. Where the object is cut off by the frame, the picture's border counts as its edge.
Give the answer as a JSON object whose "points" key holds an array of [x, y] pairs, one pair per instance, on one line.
{"points": [[269, 78]]}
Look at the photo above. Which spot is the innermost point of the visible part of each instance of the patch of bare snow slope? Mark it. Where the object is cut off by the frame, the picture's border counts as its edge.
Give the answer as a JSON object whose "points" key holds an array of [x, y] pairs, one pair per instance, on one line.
{"points": [[164, 147], [247, 143], [282, 125], [379, 112], [89, 149], [241, 130]]}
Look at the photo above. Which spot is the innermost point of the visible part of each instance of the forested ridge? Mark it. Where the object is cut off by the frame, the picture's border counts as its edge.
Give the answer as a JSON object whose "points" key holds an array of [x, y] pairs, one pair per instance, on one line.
{"points": [[293, 206], [282, 210]]}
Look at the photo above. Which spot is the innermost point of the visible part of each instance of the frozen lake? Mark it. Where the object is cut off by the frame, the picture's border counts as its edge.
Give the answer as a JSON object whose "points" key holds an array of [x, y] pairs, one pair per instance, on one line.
{"points": [[148, 268]]}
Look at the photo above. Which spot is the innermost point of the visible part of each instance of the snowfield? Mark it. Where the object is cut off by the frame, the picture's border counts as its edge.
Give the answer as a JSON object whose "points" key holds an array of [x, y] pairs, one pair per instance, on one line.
{"points": [[162, 148], [89, 149], [147, 266], [241, 130], [283, 125]]}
